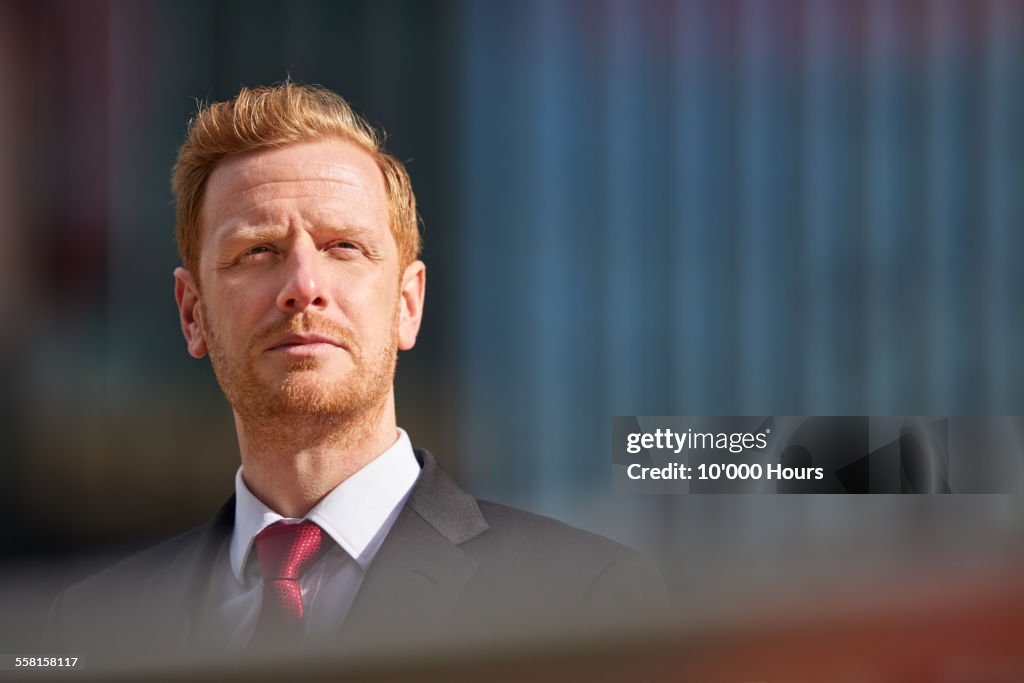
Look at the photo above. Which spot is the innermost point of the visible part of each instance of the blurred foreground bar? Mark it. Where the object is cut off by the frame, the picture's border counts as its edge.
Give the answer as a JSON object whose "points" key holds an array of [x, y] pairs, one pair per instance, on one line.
{"points": [[963, 626]]}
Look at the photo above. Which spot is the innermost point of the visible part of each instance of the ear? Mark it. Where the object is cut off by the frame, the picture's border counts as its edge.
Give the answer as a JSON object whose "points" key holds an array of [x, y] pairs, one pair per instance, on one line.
{"points": [[414, 283], [186, 293]]}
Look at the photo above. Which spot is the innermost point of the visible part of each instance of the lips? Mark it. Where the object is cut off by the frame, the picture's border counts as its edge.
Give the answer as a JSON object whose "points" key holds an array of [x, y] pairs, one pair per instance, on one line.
{"points": [[302, 339]]}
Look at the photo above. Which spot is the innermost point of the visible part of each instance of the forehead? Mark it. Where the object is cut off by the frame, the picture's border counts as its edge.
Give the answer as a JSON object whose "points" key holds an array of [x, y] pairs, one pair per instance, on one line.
{"points": [[327, 176]]}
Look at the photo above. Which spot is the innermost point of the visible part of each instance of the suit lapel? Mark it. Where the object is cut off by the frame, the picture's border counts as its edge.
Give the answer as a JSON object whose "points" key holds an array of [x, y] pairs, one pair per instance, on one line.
{"points": [[212, 542], [419, 572]]}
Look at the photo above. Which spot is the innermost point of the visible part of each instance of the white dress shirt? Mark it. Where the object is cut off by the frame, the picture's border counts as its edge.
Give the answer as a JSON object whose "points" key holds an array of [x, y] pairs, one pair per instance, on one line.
{"points": [[356, 515]]}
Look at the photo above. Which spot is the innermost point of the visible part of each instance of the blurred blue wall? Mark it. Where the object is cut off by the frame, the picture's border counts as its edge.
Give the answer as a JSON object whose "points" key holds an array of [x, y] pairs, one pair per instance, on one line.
{"points": [[733, 208]]}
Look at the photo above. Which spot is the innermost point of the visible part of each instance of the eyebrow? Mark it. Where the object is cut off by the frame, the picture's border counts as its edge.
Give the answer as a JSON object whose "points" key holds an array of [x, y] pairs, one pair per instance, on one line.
{"points": [[254, 233], [259, 233]]}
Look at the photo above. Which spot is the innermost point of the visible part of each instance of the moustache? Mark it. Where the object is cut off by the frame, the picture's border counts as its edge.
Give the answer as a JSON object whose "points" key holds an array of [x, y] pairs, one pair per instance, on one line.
{"points": [[304, 322]]}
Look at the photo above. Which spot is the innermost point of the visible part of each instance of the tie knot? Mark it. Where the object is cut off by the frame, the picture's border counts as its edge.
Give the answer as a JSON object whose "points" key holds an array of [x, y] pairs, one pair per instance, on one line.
{"points": [[286, 550]]}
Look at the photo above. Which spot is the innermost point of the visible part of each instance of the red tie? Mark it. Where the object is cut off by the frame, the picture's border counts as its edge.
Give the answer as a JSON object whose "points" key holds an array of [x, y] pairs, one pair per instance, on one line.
{"points": [[284, 552]]}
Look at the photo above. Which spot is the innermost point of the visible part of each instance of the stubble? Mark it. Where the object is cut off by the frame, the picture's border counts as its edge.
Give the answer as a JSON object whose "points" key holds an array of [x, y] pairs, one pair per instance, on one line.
{"points": [[307, 391]]}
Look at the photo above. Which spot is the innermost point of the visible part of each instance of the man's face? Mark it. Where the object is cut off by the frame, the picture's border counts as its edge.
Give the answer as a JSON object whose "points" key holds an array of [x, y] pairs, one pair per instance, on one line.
{"points": [[299, 300]]}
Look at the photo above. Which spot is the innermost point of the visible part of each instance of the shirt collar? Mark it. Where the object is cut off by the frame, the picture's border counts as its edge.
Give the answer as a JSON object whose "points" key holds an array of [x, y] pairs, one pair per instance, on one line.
{"points": [[354, 514]]}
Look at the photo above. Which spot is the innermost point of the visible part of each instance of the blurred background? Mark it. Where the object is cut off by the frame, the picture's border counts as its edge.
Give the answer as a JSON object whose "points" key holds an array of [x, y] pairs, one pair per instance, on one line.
{"points": [[689, 207]]}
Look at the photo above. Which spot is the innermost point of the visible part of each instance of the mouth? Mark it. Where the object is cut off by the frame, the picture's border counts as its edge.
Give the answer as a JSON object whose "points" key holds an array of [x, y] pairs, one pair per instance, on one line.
{"points": [[304, 341]]}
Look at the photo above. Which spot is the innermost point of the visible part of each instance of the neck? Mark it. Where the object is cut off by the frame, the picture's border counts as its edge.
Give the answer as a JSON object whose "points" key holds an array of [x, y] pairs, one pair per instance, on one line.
{"points": [[291, 462]]}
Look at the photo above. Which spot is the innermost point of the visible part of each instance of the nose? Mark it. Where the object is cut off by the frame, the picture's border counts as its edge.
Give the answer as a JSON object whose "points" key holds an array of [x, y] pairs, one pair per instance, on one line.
{"points": [[303, 287]]}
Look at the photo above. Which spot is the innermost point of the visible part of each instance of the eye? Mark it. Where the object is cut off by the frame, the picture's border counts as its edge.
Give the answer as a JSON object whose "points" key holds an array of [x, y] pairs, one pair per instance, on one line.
{"points": [[344, 245], [255, 253]]}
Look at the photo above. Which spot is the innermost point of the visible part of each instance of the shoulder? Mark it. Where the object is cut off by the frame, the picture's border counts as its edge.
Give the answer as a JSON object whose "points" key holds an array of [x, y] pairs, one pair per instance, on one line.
{"points": [[520, 553], [161, 571], [519, 529], [564, 565], [137, 570], [139, 599]]}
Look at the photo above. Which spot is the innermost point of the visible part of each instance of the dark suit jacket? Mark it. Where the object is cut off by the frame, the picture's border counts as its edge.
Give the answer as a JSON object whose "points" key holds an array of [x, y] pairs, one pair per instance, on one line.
{"points": [[451, 567]]}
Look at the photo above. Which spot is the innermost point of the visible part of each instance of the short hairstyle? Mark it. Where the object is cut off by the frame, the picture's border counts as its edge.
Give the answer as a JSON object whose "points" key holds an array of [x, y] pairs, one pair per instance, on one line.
{"points": [[272, 116]]}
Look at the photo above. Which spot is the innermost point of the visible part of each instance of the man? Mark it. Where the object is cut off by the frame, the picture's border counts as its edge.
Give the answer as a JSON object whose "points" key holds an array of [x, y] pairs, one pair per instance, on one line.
{"points": [[299, 240]]}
